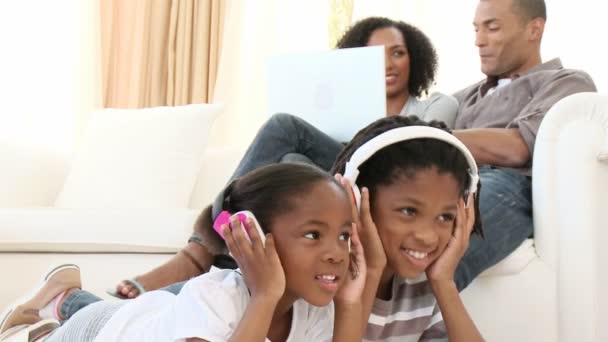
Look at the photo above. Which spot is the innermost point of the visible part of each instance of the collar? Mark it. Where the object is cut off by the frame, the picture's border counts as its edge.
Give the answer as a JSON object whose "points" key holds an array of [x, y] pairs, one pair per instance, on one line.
{"points": [[492, 81]]}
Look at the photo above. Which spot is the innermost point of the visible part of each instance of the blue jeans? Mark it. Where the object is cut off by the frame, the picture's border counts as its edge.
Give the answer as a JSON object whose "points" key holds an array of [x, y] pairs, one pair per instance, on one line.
{"points": [[76, 301], [505, 206], [80, 299], [286, 138]]}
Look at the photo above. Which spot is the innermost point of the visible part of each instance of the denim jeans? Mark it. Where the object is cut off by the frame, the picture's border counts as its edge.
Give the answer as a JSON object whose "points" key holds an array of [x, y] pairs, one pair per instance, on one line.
{"points": [[286, 138], [506, 215], [76, 301]]}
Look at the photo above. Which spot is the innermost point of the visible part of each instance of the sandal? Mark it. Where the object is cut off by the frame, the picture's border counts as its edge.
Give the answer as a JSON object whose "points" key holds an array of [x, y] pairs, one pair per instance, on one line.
{"points": [[56, 282], [29, 332]]}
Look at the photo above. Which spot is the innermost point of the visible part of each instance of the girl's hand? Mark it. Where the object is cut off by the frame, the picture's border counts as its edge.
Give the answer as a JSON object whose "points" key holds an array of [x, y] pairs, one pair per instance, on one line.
{"points": [[444, 267], [259, 264], [352, 288], [375, 256]]}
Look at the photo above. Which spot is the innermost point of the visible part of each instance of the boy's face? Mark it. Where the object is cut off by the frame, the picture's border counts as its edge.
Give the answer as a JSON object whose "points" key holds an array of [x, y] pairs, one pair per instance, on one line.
{"points": [[415, 219]]}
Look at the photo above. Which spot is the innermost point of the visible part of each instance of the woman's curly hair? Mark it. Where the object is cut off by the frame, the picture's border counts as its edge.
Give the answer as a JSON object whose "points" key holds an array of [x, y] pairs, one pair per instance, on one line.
{"points": [[423, 58]]}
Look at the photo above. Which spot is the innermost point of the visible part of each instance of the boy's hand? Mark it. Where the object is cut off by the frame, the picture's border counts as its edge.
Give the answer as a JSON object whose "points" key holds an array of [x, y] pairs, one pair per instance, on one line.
{"points": [[368, 233], [351, 290], [444, 267], [259, 264]]}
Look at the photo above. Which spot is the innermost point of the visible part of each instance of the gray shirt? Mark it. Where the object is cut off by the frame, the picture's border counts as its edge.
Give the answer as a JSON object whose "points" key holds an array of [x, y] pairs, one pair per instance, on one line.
{"points": [[523, 103], [438, 106]]}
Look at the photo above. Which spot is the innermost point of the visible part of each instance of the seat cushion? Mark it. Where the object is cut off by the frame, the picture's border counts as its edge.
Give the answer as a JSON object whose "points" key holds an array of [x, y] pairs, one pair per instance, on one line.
{"points": [[95, 230]]}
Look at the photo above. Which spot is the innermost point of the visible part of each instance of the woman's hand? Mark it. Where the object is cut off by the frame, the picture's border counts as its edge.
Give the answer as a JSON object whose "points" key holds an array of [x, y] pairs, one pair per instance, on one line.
{"points": [[352, 288], [444, 267], [374, 251], [259, 264]]}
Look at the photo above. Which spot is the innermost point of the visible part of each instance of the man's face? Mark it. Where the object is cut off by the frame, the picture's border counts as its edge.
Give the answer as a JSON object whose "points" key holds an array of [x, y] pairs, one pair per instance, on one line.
{"points": [[503, 39]]}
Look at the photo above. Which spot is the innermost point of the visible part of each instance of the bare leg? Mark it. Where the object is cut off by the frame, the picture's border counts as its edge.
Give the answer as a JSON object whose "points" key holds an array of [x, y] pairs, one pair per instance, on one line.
{"points": [[193, 260]]}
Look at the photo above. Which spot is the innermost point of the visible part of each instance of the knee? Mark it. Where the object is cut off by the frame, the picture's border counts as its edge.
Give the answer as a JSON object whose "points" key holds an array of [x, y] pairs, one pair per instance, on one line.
{"points": [[285, 121]]}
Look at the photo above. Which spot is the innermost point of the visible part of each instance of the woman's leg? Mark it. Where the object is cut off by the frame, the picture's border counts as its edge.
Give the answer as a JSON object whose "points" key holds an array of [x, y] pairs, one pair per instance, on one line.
{"points": [[283, 137]]}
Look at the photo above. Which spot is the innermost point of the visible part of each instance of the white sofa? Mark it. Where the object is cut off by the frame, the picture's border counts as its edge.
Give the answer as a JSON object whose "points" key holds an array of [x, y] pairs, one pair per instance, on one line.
{"points": [[549, 289]]}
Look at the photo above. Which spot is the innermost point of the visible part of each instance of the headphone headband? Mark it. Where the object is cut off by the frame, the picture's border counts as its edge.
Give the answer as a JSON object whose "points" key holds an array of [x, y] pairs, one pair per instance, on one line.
{"points": [[368, 149]]}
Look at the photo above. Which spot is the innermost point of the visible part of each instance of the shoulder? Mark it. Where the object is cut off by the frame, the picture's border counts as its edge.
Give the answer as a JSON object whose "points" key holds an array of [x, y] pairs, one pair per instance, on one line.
{"points": [[221, 280], [573, 77], [468, 91], [224, 287], [441, 99]]}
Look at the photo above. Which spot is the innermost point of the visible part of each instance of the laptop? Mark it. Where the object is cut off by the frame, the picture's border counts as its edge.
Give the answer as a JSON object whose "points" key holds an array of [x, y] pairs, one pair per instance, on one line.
{"points": [[338, 91]]}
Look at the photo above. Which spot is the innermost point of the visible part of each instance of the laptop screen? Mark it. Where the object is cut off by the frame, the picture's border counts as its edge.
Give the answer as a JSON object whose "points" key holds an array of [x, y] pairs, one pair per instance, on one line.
{"points": [[338, 91]]}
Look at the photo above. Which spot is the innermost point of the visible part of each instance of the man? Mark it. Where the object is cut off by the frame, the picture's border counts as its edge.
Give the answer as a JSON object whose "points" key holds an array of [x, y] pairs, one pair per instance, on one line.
{"points": [[497, 120]]}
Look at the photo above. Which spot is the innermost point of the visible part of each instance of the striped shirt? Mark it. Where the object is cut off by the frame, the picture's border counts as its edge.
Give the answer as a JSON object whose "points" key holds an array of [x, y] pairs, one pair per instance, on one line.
{"points": [[412, 314]]}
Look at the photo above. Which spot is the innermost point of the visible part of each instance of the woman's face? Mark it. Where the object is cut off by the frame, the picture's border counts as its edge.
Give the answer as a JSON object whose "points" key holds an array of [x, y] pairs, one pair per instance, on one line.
{"points": [[397, 59], [312, 243], [415, 218]]}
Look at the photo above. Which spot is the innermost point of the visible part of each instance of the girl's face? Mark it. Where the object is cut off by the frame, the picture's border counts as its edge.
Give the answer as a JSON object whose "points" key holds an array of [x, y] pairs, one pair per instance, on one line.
{"points": [[415, 219], [312, 243], [397, 62]]}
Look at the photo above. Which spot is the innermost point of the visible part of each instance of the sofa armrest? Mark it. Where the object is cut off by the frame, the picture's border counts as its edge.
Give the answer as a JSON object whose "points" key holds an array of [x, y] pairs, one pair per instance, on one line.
{"points": [[30, 176], [570, 192]]}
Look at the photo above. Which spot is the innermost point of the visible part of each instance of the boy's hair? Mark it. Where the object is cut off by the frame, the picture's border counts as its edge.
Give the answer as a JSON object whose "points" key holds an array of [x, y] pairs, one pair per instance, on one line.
{"points": [[407, 157], [423, 58], [267, 192]]}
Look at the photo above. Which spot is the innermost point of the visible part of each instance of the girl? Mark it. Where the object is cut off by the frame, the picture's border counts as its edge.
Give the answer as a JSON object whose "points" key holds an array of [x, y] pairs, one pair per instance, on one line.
{"points": [[411, 64], [415, 228], [283, 290]]}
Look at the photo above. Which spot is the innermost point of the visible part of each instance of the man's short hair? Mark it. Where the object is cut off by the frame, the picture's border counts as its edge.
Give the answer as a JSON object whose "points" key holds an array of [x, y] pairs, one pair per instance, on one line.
{"points": [[530, 9]]}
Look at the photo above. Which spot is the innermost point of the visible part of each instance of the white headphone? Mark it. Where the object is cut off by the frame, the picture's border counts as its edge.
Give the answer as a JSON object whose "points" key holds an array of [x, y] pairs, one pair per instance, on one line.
{"points": [[367, 150]]}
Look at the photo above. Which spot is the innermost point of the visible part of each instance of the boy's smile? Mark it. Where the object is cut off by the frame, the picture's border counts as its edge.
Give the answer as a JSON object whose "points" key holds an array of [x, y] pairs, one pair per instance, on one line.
{"points": [[415, 218]]}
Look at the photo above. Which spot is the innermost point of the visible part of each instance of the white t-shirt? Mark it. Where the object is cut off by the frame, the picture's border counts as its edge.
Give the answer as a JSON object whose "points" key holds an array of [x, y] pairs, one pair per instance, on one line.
{"points": [[209, 307], [437, 106]]}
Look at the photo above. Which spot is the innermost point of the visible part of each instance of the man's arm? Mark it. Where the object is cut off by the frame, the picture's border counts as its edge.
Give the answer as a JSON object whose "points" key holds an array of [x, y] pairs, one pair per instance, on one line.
{"points": [[496, 146]]}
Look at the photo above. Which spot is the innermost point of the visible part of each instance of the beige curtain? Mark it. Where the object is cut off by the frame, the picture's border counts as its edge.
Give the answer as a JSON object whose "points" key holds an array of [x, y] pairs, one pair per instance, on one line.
{"points": [[160, 52], [340, 19]]}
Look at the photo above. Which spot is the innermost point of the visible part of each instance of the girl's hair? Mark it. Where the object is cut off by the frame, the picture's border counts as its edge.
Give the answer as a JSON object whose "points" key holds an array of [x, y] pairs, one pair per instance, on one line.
{"points": [[423, 58], [268, 191], [407, 157]]}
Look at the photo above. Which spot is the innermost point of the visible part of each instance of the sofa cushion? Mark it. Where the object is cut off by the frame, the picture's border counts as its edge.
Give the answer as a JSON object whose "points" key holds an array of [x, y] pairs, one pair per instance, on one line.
{"points": [[139, 158], [95, 230]]}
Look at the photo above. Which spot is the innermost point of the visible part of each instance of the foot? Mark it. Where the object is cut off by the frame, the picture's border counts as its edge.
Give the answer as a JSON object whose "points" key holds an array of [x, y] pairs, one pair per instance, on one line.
{"points": [[57, 283], [179, 268]]}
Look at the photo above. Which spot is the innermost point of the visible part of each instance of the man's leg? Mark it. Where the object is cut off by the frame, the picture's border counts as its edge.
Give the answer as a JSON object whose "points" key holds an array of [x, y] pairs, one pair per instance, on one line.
{"points": [[506, 215], [283, 138]]}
